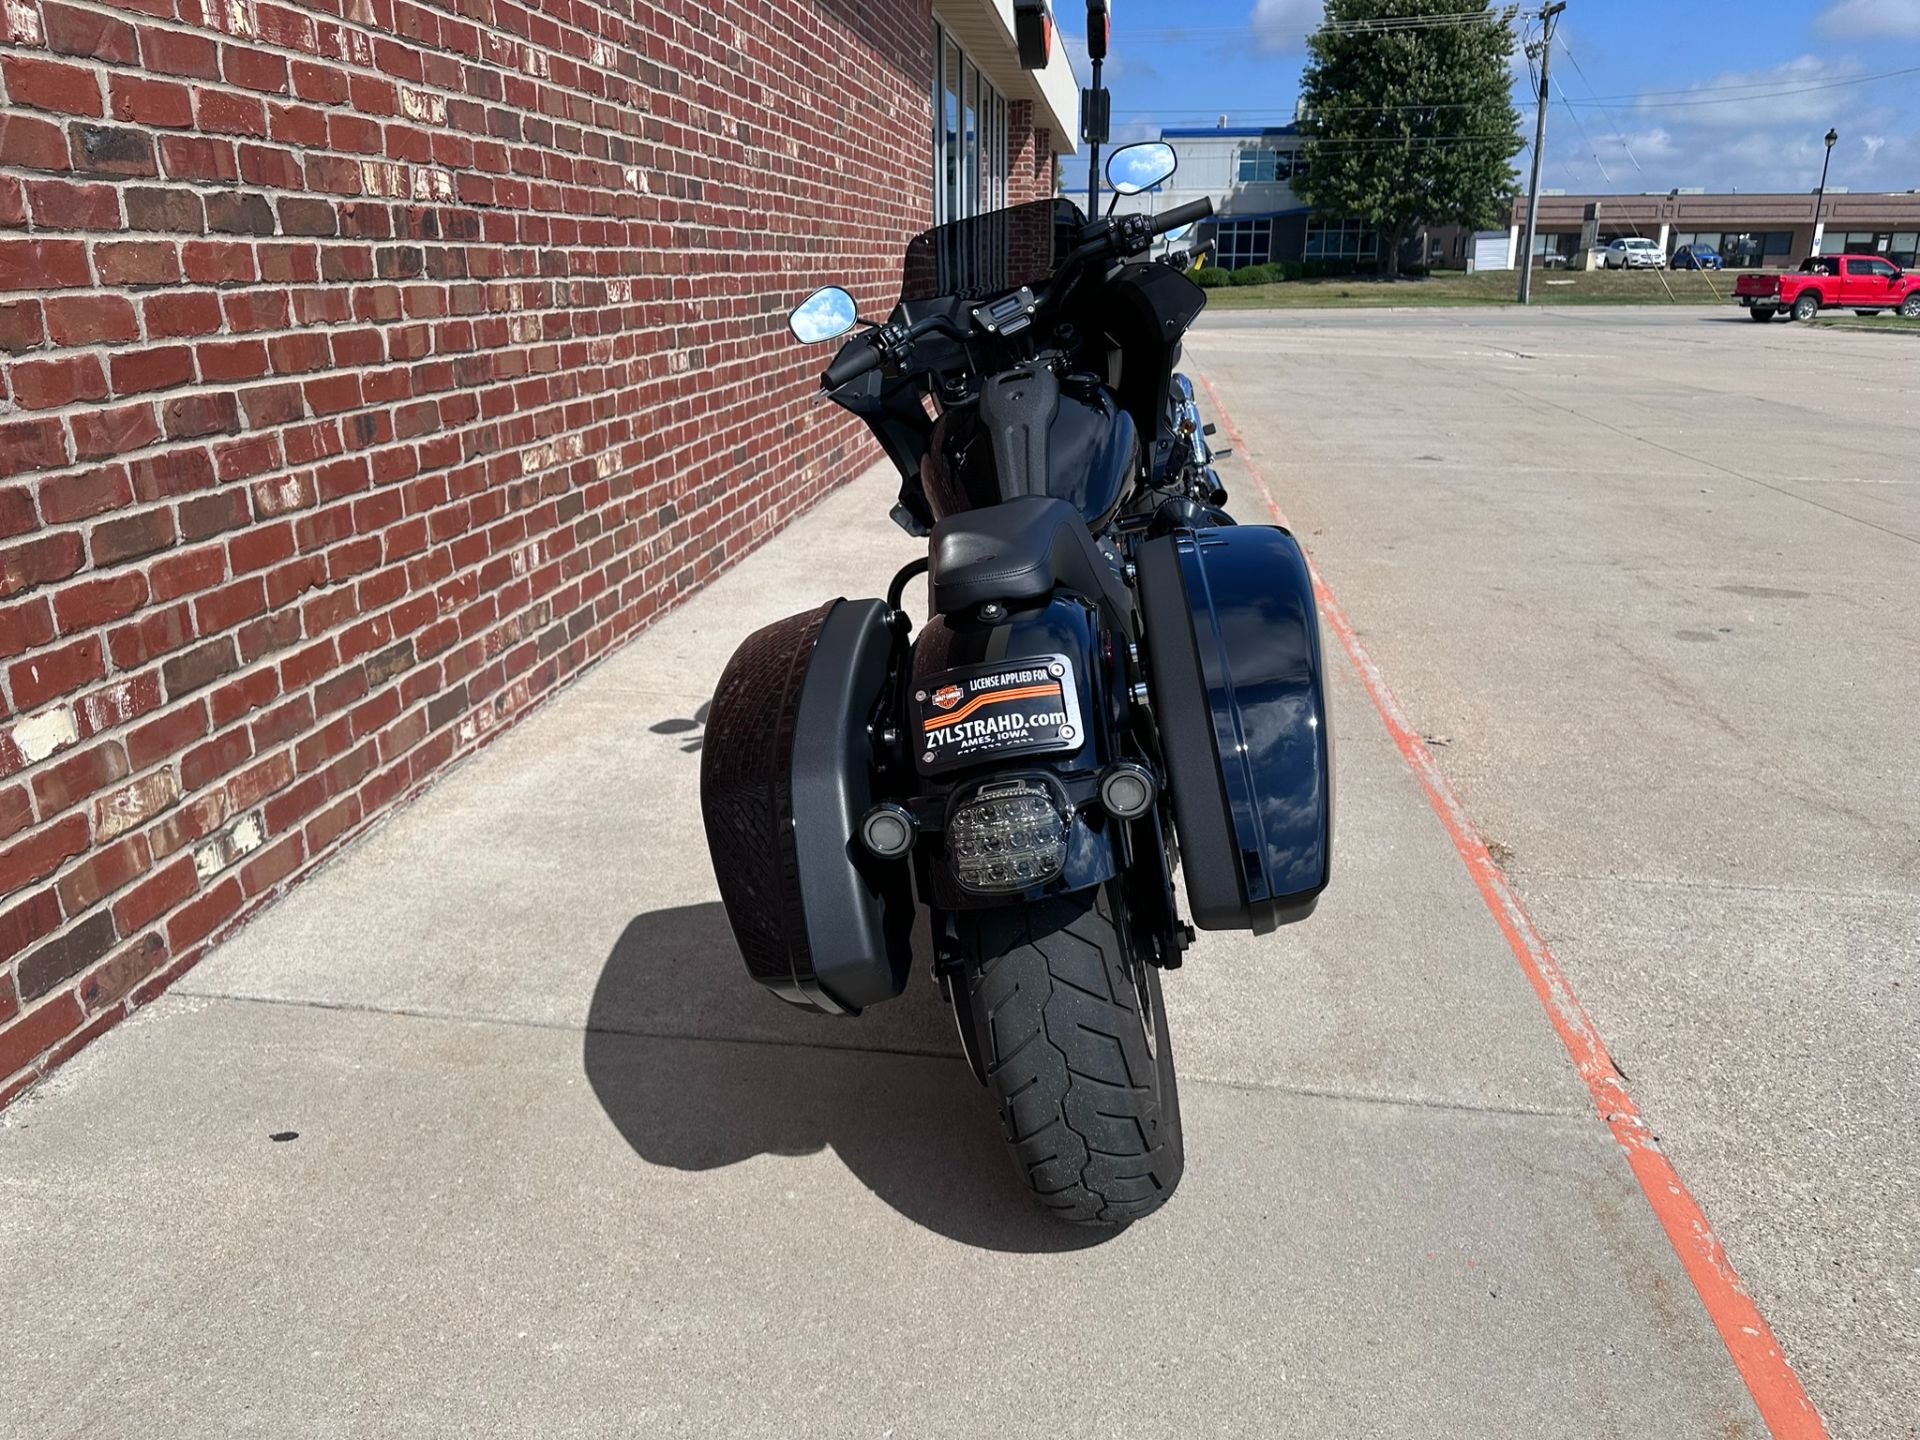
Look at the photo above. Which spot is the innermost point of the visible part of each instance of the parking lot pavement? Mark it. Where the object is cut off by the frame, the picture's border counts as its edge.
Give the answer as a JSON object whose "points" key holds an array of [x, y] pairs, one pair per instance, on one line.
{"points": [[1648, 579], [559, 1168]]}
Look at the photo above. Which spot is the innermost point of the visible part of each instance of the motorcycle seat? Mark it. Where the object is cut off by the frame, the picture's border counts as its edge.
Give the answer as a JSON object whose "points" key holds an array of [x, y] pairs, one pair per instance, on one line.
{"points": [[1016, 553]]}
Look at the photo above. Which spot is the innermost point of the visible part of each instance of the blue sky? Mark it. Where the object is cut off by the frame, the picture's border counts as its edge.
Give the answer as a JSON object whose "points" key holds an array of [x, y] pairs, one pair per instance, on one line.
{"points": [[1711, 93]]}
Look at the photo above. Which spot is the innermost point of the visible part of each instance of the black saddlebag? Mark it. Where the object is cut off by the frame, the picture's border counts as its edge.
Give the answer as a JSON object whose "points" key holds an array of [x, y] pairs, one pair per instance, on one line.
{"points": [[785, 774], [1239, 696]]}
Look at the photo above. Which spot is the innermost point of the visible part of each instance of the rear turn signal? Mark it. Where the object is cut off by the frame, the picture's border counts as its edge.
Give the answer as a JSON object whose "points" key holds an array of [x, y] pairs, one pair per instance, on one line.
{"points": [[887, 830], [1127, 790], [1009, 835]]}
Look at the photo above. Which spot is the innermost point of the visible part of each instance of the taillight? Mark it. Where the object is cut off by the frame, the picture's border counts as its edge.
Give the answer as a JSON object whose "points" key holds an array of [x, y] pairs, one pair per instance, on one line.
{"points": [[1007, 834]]}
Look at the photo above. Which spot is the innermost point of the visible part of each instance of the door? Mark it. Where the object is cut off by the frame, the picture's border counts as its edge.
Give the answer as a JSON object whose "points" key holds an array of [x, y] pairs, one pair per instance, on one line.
{"points": [[1870, 283]]}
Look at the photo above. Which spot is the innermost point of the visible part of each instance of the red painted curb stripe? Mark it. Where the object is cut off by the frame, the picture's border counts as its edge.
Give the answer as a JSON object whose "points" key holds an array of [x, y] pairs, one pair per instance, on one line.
{"points": [[1770, 1379]]}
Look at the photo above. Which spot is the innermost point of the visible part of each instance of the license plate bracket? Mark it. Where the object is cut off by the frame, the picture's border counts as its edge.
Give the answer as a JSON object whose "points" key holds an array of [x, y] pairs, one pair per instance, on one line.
{"points": [[977, 713]]}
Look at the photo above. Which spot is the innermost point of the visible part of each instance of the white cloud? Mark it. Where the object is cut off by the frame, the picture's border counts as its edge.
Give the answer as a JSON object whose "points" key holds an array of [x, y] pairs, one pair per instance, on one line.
{"points": [[1801, 91], [1281, 27], [1872, 19]]}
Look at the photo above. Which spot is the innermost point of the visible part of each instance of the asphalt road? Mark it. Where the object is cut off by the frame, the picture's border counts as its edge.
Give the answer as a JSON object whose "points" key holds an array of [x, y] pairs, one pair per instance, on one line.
{"points": [[1649, 579], [557, 1167]]}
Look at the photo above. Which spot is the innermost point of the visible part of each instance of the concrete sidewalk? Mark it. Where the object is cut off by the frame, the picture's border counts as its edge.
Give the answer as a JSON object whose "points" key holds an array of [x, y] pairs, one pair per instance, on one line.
{"points": [[561, 1169]]}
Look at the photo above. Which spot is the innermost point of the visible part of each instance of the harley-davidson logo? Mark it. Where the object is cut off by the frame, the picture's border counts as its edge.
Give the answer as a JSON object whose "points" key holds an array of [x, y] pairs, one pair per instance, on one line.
{"points": [[947, 696]]}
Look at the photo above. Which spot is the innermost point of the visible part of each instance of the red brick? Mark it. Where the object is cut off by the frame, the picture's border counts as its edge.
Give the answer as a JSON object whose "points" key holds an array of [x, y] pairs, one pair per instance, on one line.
{"points": [[45, 384], [252, 68], [153, 897], [208, 762], [160, 207], [23, 923], [195, 157], [63, 205], [91, 319], [107, 985], [158, 631], [44, 968], [27, 446], [32, 143], [188, 572], [39, 561], [100, 602], [172, 315], [191, 417], [173, 53], [40, 854], [223, 113], [129, 536], [70, 498], [102, 873], [133, 804], [88, 34], [16, 511], [159, 368], [212, 514], [38, 1031], [131, 262], [49, 85], [23, 325], [198, 667], [98, 434], [141, 101], [44, 264], [176, 472], [228, 361], [166, 735], [273, 865], [65, 784], [195, 820], [22, 627], [16, 811], [111, 150], [199, 918], [52, 673]]}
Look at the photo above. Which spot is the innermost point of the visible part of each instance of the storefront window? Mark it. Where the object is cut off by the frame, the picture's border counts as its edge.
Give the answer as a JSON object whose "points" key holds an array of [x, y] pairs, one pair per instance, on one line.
{"points": [[1341, 240], [969, 136], [1905, 249], [1243, 242]]}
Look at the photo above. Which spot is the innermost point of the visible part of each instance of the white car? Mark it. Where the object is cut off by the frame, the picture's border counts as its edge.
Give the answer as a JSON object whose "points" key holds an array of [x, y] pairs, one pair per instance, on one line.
{"points": [[1633, 253]]}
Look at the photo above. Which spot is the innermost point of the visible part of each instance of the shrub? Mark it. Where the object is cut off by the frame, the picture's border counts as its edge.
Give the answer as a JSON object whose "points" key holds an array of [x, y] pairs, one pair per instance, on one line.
{"points": [[1212, 277], [1256, 275]]}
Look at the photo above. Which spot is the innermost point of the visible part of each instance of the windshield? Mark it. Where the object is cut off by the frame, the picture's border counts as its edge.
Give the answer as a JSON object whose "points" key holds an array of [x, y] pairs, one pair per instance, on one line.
{"points": [[987, 254]]}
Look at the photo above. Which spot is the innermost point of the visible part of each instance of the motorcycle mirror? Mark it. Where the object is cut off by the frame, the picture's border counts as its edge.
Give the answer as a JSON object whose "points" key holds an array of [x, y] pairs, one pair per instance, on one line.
{"points": [[1133, 168], [826, 314], [1174, 237]]}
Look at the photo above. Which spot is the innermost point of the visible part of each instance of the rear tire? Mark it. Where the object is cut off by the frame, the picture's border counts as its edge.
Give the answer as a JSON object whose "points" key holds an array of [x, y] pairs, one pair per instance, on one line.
{"points": [[1083, 1080], [1910, 307], [1757, 314], [1806, 307]]}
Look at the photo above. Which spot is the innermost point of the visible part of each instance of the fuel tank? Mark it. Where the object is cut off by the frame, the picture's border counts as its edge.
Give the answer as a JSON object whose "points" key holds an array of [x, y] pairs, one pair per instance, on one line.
{"points": [[1030, 434]]}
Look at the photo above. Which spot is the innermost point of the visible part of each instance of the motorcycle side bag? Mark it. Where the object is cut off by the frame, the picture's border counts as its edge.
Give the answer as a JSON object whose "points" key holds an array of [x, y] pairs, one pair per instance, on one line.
{"points": [[786, 772], [1239, 696]]}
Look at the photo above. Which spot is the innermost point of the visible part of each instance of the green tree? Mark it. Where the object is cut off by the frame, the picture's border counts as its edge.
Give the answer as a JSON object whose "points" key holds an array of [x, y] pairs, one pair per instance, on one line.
{"points": [[1409, 123]]}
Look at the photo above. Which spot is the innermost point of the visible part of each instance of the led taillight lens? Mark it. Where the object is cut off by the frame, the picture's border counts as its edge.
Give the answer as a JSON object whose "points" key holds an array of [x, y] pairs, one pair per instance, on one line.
{"points": [[1009, 835]]}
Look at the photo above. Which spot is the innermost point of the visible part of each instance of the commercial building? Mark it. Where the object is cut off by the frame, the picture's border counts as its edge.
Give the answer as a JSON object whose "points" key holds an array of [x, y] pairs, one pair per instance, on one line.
{"points": [[368, 370], [1750, 231]]}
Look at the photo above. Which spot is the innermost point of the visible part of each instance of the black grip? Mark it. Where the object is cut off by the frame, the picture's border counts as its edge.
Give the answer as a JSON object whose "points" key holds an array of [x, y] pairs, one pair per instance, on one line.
{"points": [[855, 359], [1183, 215]]}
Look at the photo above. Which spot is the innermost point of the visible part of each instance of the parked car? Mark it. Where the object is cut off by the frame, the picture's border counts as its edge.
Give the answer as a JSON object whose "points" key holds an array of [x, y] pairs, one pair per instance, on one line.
{"points": [[1863, 283], [1697, 257], [1633, 252]]}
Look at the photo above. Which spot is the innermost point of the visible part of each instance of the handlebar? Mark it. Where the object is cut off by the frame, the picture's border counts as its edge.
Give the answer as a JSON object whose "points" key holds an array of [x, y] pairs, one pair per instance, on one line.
{"points": [[853, 361], [1200, 209]]}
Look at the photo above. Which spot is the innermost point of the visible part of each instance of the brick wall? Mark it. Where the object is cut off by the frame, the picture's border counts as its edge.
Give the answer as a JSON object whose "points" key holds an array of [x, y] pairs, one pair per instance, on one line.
{"points": [[368, 368]]}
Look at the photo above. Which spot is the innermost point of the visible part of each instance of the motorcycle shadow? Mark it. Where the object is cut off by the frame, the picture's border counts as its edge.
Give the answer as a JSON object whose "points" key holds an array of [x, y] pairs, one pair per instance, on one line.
{"points": [[698, 1068]]}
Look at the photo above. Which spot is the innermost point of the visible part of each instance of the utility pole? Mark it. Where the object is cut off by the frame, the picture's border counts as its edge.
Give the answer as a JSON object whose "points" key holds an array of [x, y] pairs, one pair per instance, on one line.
{"points": [[1548, 13]]}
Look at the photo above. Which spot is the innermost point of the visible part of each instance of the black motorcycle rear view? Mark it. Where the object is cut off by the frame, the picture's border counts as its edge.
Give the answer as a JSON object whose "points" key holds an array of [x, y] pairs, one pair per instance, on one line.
{"points": [[1115, 683]]}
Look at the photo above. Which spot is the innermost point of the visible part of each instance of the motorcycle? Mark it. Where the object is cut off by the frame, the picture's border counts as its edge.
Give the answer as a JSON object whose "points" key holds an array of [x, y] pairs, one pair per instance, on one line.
{"points": [[1116, 684]]}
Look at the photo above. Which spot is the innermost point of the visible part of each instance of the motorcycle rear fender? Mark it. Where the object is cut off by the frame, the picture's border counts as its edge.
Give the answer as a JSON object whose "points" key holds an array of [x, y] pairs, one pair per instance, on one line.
{"points": [[1064, 626]]}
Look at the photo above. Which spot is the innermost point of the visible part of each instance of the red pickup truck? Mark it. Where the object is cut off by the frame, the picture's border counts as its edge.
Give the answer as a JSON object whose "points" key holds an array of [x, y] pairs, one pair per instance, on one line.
{"points": [[1865, 283]]}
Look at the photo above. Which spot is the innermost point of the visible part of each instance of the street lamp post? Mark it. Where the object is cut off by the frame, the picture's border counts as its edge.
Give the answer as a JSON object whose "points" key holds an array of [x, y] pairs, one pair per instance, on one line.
{"points": [[1821, 199]]}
